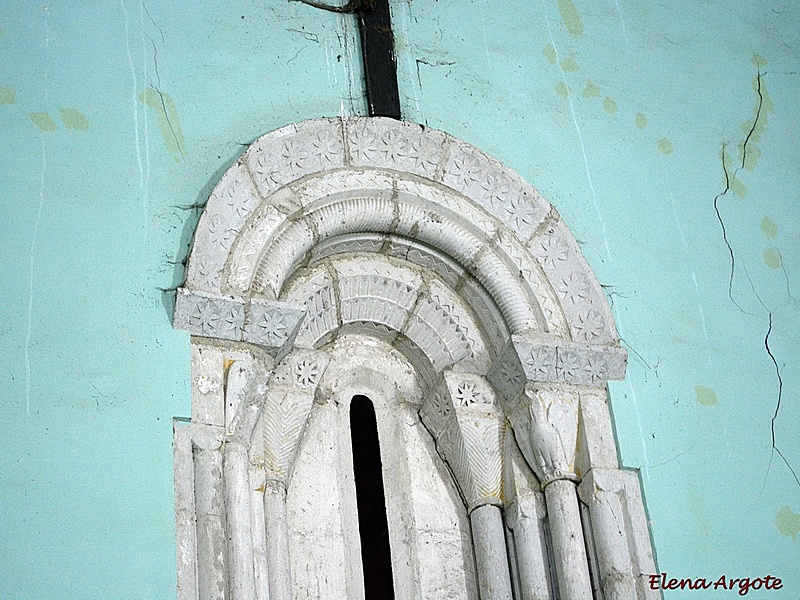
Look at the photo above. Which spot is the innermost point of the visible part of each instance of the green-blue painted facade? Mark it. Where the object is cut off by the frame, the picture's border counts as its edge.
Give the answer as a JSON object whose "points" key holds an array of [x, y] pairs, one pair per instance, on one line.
{"points": [[117, 118]]}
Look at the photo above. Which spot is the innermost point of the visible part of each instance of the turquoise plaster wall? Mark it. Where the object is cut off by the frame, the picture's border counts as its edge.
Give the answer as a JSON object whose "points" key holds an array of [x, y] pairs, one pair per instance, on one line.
{"points": [[116, 118]]}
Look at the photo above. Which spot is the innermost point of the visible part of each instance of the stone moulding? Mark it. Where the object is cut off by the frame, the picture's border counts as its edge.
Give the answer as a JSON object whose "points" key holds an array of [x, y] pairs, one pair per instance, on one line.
{"points": [[334, 230]]}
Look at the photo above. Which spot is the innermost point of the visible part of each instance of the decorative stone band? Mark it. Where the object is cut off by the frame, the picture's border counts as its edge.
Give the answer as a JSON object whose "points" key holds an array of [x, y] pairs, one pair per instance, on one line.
{"points": [[469, 430], [547, 359], [270, 324]]}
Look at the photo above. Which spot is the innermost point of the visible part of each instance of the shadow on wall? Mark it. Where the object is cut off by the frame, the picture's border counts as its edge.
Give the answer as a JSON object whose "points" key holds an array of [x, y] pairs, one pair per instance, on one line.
{"points": [[193, 212]]}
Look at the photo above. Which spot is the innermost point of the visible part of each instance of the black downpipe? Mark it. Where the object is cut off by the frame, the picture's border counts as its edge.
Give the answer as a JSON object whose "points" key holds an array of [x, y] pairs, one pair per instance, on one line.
{"points": [[380, 63]]}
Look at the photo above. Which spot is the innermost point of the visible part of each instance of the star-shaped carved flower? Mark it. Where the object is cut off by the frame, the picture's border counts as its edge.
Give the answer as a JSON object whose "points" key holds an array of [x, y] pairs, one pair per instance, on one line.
{"points": [[521, 211], [574, 288], [392, 147], [510, 373], [553, 251], [567, 365], [295, 156], [306, 373], [466, 170], [205, 316], [540, 363], [467, 394], [325, 149], [589, 326], [220, 232], [272, 326], [239, 204], [596, 368]]}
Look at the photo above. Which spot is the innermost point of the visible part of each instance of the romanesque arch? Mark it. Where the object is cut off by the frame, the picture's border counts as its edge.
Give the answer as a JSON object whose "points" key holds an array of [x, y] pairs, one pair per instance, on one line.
{"points": [[367, 256]]}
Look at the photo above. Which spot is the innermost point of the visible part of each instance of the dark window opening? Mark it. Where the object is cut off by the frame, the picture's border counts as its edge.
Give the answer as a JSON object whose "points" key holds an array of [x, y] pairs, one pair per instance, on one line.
{"points": [[373, 527]]}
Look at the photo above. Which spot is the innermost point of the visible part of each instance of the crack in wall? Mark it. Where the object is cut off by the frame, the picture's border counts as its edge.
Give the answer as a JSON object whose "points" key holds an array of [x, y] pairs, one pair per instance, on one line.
{"points": [[752, 133], [777, 406]]}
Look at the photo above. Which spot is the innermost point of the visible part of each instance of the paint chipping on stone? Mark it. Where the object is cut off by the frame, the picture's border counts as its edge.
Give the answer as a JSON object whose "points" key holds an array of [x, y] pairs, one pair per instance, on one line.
{"points": [[769, 228], [569, 65], [168, 122]]}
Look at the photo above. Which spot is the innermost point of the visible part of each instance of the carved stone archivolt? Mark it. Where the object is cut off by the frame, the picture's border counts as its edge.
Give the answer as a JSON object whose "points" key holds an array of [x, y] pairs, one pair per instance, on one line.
{"points": [[335, 230]]}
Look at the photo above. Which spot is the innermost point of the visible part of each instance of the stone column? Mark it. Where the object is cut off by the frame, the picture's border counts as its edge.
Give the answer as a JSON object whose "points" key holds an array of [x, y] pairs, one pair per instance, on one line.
{"points": [[237, 511], [469, 430], [489, 541], [545, 422], [569, 548], [277, 538], [284, 416], [526, 518], [209, 494], [602, 490]]}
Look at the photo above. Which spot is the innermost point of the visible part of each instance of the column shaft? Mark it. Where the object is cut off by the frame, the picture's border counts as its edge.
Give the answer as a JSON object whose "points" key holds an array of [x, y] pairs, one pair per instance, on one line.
{"points": [[237, 511], [277, 532], [613, 556], [488, 537], [531, 547], [569, 549], [211, 543]]}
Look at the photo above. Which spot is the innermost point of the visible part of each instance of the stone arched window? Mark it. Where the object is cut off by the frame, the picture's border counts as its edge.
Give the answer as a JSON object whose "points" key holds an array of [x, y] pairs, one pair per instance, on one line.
{"points": [[366, 256]]}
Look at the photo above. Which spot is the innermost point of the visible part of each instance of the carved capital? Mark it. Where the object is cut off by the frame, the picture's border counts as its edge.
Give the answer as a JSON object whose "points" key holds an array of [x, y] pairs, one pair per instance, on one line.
{"points": [[469, 430], [545, 423], [269, 324], [287, 407]]}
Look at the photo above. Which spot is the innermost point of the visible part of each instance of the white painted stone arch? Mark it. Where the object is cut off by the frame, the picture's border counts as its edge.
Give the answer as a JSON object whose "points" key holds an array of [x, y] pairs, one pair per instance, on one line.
{"points": [[331, 229]]}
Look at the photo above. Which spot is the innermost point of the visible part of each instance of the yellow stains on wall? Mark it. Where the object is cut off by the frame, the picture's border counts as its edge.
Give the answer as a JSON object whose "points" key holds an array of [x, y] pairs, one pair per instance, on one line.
{"points": [[609, 106], [168, 122], [550, 53], [571, 17], [591, 90], [8, 94], [562, 89], [705, 396], [665, 146], [754, 128], [772, 258], [43, 121], [788, 522], [569, 65], [641, 121], [73, 119], [769, 228]]}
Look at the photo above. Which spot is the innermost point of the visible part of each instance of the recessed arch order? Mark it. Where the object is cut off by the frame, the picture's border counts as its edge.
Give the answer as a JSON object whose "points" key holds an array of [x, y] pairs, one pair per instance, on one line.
{"points": [[330, 231]]}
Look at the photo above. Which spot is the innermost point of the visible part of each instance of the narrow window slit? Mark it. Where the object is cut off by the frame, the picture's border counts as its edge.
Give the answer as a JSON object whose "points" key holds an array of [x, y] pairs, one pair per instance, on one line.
{"points": [[372, 523]]}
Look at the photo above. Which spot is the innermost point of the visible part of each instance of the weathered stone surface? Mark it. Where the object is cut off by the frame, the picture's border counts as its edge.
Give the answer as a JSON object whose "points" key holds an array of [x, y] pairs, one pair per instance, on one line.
{"points": [[417, 265], [469, 429], [547, 359], [271, 325]]}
